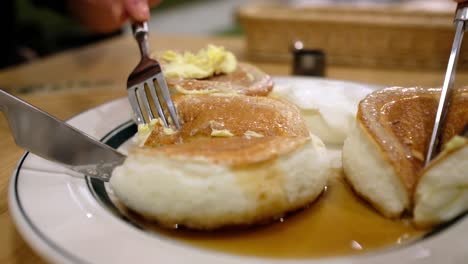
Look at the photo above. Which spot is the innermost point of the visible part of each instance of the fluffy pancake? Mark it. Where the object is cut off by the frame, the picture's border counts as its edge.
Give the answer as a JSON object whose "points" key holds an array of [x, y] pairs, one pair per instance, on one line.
{"points": [[246, 79], [238, 160], [442, 191], [326, 119], [212, 69], [384, 154]]}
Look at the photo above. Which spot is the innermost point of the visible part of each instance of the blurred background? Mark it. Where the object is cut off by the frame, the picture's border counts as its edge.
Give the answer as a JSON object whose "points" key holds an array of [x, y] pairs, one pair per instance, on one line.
{"points": [[38, 28]]}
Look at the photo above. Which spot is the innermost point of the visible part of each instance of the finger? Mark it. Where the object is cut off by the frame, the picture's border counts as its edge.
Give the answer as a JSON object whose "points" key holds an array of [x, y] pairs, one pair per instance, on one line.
{"points": [[153, 3], [137, 10], [99, 16]]}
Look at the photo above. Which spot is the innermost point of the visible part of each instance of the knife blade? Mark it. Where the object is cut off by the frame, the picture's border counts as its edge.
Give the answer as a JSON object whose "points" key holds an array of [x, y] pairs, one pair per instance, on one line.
{"points": [[54, 140], [445, 96]]}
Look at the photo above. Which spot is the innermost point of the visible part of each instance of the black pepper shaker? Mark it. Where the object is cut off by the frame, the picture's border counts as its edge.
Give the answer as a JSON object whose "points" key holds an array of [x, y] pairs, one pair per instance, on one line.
{"points": [[308, 62]]}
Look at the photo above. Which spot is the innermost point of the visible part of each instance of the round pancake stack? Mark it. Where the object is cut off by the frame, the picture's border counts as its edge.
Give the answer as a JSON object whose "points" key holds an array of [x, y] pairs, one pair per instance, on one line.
{"points": [[383, 157], [238, 159], [246, 79]]}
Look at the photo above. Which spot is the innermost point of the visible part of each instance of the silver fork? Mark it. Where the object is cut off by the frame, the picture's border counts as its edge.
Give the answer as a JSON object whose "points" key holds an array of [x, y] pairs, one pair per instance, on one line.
{"points": [[148, 71]]}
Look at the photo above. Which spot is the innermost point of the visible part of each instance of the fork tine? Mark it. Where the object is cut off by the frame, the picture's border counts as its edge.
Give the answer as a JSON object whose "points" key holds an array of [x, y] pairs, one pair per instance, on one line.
{"points": [[146, 68], [157, 104], [132, 97], [144, 101], [167, 98]]}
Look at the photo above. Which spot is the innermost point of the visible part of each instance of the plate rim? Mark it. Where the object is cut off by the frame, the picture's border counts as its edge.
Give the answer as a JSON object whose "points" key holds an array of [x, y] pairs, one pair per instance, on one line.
{"points": [[35, 238], [22, 221], [29, 231]]}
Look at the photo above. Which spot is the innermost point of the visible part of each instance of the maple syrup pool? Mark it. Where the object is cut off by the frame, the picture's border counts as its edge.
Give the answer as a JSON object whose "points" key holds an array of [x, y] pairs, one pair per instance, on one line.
{"points": [[339, 223]]}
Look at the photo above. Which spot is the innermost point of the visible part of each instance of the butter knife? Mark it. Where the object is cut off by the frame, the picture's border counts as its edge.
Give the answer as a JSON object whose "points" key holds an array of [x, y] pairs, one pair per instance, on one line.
{"points": [[54, 140], [461, 16]]}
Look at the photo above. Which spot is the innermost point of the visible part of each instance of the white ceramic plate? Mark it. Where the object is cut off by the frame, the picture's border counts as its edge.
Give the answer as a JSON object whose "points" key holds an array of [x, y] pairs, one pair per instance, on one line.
{"points": [[62, 219]]}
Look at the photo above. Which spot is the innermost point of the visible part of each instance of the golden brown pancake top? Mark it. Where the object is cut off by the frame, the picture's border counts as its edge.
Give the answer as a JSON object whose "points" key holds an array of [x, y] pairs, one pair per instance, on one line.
{"points": [[246, 79], [279, 122], [400, 121]]}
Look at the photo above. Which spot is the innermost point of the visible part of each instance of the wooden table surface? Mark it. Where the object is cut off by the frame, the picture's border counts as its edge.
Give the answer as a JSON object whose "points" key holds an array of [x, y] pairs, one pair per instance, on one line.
{"points": [[71, 82]]}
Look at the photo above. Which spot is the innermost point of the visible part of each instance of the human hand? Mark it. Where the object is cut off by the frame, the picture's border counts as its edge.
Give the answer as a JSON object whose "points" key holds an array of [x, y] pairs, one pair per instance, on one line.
{"points": [[109, 15]]}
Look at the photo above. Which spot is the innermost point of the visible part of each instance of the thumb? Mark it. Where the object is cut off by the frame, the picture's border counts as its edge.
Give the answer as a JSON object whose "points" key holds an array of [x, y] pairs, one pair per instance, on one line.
{"points": [[137, 10]]}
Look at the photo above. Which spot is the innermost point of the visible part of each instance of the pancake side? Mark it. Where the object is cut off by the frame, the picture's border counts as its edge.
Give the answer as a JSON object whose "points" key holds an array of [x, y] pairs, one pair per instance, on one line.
{"points": [[371, 175], [442, 192], [211, 187]]}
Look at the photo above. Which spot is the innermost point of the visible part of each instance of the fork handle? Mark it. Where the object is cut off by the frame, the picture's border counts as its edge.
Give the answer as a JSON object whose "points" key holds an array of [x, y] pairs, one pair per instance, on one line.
{"points": [[140, 33], [462, 12]]}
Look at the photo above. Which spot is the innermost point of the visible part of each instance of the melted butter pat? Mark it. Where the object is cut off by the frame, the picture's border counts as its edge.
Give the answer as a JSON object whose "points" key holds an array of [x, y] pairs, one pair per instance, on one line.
{"points": [[204, 91], [207, 62], [455, 143], [144, 131], [221, 133], [251, 134], [169, 131]]}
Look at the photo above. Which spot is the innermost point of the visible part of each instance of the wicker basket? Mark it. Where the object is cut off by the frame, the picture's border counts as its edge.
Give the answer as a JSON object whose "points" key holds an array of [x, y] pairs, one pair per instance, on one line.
{"points": [[372, 37]]}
